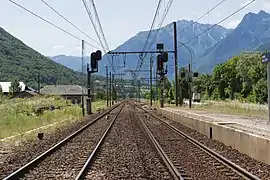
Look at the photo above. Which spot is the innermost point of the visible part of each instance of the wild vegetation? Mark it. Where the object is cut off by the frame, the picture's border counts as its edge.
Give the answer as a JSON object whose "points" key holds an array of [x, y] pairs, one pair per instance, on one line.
{"points": [[18, 61], [242, 78], [21, 115]]}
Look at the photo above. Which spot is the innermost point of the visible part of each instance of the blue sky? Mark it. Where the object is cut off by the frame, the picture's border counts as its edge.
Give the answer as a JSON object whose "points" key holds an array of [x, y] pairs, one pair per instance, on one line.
{"points": [[121, 19]]}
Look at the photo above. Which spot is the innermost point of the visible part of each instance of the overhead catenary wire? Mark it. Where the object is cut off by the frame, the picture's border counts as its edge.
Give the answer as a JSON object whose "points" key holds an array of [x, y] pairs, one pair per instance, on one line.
{"points": [[139, 65], [227, 17], [140, 62], [99, 24], [152, 25], [76, 27], [104, 47], [92, 21], [212, 9], [63, 30], [160, 24]]}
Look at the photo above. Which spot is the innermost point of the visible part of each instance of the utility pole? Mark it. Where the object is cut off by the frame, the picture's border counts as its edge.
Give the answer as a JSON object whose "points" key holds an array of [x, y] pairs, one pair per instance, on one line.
{"points": [[151, 93], [89, 105], [176, 65], [268, 86], [113, 89], [162, 91], [156, 91], [110, 88], [82, 98], [189, 83], [107, 88], [139, 90], [38, 82], [266, 59]]}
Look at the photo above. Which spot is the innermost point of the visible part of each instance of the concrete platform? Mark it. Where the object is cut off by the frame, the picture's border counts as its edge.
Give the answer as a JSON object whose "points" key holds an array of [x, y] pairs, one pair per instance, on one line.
{"points": [[248, 136]]}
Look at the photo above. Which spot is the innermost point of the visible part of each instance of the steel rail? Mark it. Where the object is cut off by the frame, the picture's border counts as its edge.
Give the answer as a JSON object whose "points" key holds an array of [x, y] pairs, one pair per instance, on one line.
{"points": [[83, 171], [175, 173], [23, 170], [242, 172]]}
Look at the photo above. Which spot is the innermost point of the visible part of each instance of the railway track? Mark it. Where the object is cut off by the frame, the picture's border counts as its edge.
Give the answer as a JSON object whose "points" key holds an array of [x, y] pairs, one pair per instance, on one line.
{"points": [[65, 159], [124, 153], [115, 145], [184, 156]]}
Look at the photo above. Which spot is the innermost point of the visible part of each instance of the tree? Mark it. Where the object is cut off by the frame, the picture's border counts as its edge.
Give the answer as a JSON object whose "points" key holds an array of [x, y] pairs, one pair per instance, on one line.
{"points": [[260, 91], [101, 95], [15, 87], [170, 94]]}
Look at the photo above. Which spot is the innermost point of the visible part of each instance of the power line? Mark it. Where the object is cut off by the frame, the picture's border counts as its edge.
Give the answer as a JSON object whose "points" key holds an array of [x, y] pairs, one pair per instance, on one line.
{"points": [[92, 21], [68, 21], [152, 25], [158, 27], [188, 41], [99, 24], [213, 8], [161, 22], [96, 30], [63, 30]]}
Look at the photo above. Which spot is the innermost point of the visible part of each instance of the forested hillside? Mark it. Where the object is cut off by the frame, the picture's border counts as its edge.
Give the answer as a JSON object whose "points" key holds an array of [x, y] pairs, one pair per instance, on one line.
{"points": [[243, 77], [17, 60]]}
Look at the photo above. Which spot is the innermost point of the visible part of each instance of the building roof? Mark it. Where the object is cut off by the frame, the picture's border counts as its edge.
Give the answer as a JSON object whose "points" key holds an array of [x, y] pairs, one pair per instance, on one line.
{"points": [[63, 90], [5, 86], [31, 93]]}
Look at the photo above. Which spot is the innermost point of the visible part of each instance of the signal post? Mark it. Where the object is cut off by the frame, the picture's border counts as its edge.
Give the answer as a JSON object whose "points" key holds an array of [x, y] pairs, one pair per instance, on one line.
{"points": [[95, 57], [161, 59]]}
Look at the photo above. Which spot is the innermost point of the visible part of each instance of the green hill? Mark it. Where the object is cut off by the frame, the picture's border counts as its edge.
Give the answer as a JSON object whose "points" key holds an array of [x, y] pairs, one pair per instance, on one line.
{"points": [[17, 60]]}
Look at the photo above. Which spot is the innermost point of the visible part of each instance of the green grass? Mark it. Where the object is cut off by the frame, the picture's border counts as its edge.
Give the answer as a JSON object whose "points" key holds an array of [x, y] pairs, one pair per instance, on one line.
{"points": [[226, 107], [19, 115], [98, 105], [233, 108]]}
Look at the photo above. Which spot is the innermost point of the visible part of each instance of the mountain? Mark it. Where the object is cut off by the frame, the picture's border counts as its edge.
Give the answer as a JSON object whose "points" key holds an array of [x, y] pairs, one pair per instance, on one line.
{"points": [[72, 62], [253, 33], [17, 60], [211, 48], [264, 47], [165, 35]]}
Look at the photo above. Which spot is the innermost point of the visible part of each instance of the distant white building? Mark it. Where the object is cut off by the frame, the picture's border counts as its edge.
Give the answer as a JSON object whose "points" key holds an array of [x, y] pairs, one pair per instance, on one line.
{"points": [[5, 86], [25, 90]]}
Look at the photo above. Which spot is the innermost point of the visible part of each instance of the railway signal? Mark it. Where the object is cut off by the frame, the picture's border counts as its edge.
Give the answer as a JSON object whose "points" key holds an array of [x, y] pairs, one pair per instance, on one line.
{"points": [[161, 59], [94, 58], [189, 78], [164, 57]]}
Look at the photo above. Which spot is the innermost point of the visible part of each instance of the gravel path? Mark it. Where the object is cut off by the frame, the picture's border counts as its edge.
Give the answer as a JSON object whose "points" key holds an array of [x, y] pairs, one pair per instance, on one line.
{"points": [[127, 153]]}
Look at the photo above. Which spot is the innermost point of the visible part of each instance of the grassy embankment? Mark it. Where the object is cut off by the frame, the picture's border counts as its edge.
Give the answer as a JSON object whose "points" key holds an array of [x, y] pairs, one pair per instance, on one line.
{"points": [[21, 115], [234, 108], [226, 107]]}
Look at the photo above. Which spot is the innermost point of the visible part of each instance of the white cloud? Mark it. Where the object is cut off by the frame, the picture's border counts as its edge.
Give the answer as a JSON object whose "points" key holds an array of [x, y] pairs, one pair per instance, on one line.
{"points": [[233, 23], [59, 46]]}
